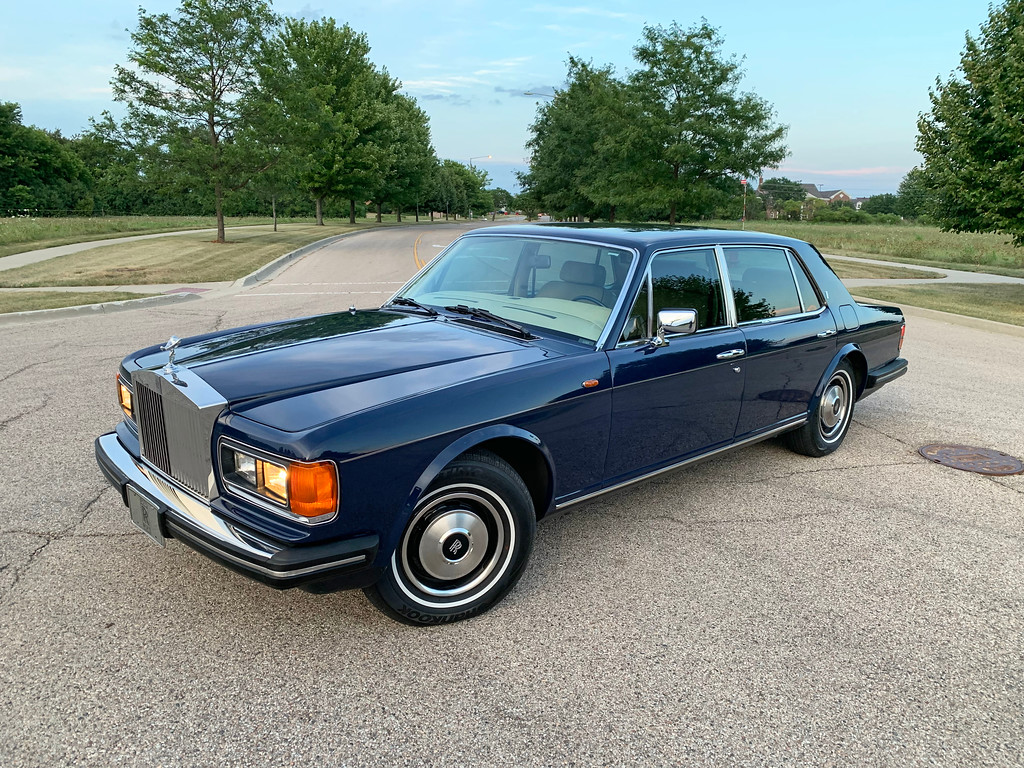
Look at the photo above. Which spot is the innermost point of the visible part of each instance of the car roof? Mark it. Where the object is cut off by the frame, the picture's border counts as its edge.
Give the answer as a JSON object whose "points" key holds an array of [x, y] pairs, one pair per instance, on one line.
{"points": [[641, 237]]}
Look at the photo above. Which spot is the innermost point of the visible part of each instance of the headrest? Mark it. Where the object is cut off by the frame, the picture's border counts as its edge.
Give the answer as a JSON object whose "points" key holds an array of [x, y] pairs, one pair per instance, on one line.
{"points": [[582, 272]]}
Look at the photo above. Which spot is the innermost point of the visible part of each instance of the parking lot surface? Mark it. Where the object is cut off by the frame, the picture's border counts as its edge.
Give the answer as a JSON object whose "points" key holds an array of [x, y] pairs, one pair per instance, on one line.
{"points": [[762, 608]]}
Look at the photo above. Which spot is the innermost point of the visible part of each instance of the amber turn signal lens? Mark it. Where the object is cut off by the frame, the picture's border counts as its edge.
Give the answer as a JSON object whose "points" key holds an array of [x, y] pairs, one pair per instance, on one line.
{"points": [[313, 489], [124, 397]]}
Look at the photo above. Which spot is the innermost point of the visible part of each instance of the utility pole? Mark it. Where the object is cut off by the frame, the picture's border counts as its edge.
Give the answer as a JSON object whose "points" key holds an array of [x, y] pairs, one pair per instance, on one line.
{"points": [[743, 223]]}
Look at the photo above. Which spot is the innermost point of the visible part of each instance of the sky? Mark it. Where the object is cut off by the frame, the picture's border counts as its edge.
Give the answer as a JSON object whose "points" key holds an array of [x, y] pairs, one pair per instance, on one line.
{"points": [[848, 79]]}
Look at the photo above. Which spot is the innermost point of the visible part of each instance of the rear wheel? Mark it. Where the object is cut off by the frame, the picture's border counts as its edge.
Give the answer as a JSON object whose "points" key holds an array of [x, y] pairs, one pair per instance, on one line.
{"points": [[464, 547], [830, 420]]}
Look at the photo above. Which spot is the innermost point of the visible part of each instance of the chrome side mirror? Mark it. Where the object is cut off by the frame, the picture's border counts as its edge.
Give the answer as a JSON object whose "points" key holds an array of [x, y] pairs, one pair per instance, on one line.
{"points": [[679, 321]]}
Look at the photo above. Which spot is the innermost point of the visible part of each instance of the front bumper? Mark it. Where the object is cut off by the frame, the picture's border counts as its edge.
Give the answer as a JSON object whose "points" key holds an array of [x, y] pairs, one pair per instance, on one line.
{"points": [[344, 564]]}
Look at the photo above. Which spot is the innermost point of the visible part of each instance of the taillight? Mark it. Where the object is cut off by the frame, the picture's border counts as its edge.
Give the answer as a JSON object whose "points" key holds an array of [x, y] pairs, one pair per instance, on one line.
{"points": [[903, 330]]}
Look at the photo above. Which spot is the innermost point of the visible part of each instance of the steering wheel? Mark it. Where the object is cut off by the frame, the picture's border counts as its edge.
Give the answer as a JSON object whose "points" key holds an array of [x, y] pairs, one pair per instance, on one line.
{"points": [[589, 300]]}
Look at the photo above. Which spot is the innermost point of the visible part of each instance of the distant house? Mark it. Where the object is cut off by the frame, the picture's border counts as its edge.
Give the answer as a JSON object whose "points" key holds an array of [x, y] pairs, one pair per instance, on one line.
{"points": [[859, 201], [828, 195]]}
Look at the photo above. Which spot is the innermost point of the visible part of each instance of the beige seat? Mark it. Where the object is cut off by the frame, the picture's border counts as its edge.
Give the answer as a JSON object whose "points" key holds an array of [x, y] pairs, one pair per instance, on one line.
{"points": [[579, 281]]}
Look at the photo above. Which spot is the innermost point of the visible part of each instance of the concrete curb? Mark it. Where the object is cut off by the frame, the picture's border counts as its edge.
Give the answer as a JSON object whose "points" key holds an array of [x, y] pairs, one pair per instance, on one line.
{"points": [[269, 270], [992, 326], [13, 318]]}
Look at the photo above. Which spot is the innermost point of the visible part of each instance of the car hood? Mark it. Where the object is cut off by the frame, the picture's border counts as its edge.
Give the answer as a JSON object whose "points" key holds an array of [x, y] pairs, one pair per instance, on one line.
{"points": [[312, 355]]}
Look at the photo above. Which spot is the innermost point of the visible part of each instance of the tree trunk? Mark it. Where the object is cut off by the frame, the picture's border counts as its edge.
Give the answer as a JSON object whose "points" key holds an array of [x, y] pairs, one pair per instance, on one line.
{"points": [[351, 211], [319, 211], [273, 208], [431, 214], [218, 193], [417, 213], [611, 214], [398, 210], [379, 219], [672, 213]]}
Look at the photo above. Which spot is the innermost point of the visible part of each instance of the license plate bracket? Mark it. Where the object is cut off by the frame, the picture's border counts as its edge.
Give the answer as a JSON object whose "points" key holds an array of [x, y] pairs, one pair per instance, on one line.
{"points": [[146, 516]]}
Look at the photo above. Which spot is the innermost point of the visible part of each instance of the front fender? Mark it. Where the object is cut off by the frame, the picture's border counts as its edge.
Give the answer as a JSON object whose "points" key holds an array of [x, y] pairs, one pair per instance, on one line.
{"points": [[456, 448]]}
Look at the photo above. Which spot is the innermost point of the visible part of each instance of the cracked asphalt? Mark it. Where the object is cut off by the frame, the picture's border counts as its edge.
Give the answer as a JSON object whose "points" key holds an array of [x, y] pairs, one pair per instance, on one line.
{"points": [[760, 609]]}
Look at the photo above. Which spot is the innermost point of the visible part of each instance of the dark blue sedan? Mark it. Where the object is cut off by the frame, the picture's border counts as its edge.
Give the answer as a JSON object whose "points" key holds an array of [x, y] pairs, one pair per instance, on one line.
{"points": [[410, 450]]}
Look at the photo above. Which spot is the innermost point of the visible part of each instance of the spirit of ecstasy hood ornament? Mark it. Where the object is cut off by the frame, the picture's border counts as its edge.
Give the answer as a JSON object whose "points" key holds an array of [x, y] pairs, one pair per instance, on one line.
{"points": [[171, 347]]}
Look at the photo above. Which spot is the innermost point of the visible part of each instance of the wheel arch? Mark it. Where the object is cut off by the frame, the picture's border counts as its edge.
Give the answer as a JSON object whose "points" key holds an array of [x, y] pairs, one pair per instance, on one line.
{"points": [[523, 451], [852, 354]]}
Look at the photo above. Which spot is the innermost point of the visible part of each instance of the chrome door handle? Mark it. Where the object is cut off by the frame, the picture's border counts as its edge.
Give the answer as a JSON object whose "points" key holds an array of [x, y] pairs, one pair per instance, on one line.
{"points": [[730, 354], [826, 334]]}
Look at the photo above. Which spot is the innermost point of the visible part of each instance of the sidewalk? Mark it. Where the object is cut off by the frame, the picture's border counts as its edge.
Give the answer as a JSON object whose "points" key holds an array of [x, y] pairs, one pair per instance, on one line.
{"points": [[948, 275]]}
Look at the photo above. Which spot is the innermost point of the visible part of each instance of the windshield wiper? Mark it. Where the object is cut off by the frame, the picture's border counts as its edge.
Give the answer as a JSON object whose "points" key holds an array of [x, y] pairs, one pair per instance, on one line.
{"points": [[402, 301], [482, 314]]}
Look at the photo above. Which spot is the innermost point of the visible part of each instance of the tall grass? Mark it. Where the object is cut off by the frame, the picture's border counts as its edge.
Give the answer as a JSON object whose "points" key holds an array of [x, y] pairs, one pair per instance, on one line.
{"points": [[913, 243]]}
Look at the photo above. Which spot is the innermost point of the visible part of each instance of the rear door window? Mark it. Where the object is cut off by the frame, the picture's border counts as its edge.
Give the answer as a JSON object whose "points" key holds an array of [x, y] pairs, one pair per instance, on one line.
{"points": [[762, 283]]}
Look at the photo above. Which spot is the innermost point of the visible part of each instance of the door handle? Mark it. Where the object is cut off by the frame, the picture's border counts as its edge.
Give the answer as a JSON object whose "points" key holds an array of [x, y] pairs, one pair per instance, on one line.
{"points": [[827, 333], [730, 354]]}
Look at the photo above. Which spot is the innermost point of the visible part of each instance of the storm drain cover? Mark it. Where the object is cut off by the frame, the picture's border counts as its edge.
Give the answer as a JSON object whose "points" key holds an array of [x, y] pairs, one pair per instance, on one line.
{"points": [[984, 461]]}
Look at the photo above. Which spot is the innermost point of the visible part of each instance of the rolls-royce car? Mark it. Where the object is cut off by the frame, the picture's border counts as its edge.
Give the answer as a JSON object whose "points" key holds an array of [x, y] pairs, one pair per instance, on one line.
{"points": [[410, 450]]}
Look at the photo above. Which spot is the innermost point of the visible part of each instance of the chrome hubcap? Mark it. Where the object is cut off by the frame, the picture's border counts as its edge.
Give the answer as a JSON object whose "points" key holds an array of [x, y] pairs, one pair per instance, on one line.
{"points": [[835, 406], [453, 545], [458, 540]]}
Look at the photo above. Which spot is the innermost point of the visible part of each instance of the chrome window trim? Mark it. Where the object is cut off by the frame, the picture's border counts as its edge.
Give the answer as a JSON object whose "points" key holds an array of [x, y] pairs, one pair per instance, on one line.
{"points": [[783, 318], [796, 283], [785, 426], [602, 339], [797, 263], [790, 255], [727, 297], [267, 504]]}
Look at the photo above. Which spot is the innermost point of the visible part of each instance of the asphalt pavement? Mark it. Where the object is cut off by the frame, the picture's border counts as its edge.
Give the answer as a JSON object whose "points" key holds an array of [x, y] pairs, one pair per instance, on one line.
{"points": [[761, 609]]}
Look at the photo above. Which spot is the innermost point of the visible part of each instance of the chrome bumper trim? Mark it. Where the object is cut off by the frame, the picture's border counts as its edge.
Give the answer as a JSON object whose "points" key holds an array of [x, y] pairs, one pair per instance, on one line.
{"points": [[177, 504]]}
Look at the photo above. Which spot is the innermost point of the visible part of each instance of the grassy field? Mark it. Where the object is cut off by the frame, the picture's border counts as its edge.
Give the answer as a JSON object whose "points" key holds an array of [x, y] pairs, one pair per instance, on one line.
{"points": [[991, 301], [27, 234], [23, 301], [911, 243], [181, 259], [852, 269]]}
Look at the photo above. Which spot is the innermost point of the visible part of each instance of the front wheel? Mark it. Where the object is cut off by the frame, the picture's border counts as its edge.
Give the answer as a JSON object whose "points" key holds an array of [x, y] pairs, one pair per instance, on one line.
{"points": [[829, 422], [465, 545]]}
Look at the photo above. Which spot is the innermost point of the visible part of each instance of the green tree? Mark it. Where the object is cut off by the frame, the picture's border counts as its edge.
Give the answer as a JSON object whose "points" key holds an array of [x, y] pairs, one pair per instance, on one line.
{"points": [[191, 89], [333, 102], [776, 191], [695, 127], [973, 137], [886, 203], [39, 169], [576, 167], [914, 198]]}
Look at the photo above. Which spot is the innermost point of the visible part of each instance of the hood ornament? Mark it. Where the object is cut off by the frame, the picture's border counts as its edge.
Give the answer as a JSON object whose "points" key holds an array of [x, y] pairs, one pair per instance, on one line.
{"points": [[171, 347]]}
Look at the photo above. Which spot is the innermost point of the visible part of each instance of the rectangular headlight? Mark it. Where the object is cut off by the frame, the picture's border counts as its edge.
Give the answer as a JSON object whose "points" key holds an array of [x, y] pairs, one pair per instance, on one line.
{"points": [[306, 489]]}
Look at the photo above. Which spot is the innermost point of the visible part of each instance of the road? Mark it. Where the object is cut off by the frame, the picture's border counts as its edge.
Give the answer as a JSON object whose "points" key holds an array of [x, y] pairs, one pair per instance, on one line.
{"points": [[759, 609]]}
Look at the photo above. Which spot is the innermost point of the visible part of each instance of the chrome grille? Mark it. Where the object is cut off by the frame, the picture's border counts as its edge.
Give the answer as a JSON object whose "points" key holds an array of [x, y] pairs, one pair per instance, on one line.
{"points": [[152, 430], [175, 431]]}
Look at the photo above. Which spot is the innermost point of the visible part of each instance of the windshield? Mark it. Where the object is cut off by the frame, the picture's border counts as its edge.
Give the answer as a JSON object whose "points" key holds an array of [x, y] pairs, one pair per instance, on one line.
{"points": [[568, 288]]}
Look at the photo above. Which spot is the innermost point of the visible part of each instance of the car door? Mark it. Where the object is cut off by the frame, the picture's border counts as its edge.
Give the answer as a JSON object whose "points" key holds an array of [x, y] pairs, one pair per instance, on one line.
{"points": [[676, 400], [790, 335]]}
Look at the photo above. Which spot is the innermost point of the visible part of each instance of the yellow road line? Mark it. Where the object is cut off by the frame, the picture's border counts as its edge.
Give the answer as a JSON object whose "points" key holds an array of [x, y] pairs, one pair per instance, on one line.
{"points": [[416, 252]]}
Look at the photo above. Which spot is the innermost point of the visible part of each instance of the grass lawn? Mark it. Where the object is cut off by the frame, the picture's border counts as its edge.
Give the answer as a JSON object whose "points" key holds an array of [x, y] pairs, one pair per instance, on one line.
{"points": [[190, 258], [23, 301], [910, 243], [854, 269], [989, 301], [27, 234]]}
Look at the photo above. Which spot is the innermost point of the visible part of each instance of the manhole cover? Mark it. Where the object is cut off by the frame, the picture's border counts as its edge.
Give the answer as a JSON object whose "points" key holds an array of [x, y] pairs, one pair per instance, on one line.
{"points": [[984, 461]]}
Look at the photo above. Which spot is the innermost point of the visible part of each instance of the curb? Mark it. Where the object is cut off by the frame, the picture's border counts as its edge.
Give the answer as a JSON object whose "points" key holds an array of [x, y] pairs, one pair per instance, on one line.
{"points": [[13, 318], [269, 270], [978, 323]]}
